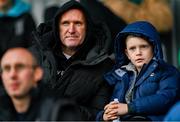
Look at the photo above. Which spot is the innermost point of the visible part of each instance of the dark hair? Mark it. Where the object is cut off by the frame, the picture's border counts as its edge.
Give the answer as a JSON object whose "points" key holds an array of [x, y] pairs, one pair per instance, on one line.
{"points": [[136, 35]]}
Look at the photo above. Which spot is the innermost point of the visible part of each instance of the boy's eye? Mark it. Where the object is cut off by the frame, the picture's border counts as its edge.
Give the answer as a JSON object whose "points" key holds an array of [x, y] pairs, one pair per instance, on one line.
{"points": [[144, 46], [132, 48]]}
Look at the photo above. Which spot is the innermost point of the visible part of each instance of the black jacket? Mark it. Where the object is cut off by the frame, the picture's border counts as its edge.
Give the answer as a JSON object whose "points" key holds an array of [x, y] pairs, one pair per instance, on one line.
{"points": [[8, 112], [43, 107], [80, 77]]}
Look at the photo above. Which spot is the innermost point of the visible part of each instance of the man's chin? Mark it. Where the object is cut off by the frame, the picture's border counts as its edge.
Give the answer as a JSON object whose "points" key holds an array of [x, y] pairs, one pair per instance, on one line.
{"points": [[19, 96]]}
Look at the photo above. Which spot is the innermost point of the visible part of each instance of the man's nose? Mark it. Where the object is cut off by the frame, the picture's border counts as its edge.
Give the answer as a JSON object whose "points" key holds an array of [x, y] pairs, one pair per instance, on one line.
{"points": [[72, 28], [12, 72]]}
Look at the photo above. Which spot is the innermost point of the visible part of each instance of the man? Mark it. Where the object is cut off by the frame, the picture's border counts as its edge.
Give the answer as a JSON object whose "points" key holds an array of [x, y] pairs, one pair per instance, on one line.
{"points": [[144, 84], [26, 97], [20, 75], [73, 52], [16, 25]]}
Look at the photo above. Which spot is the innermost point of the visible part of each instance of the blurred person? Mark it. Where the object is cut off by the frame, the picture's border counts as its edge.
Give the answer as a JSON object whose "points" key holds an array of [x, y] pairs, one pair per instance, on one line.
{"points": [[20, 76], [16, 24], [26, 97], [144, 84], [72, 50]]}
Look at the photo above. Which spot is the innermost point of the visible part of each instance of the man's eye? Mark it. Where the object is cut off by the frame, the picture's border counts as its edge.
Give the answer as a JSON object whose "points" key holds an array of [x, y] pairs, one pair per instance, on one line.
{"points": [[6, 68], [20, 67], [78, 24], [65, 23]]}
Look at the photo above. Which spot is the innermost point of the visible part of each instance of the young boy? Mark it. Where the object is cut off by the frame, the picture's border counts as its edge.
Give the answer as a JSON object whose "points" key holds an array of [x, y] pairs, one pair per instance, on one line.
{"points": [[144, 84]]}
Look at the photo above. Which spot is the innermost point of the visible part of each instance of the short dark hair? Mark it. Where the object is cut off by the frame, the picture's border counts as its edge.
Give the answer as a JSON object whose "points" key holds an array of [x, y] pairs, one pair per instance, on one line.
{"points": [[136, 35]]}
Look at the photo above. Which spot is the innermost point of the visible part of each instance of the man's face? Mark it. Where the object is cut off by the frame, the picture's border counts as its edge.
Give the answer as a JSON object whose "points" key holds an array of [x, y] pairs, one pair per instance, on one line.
{"points": [[72, 28], [139, 51], [18, 73]]}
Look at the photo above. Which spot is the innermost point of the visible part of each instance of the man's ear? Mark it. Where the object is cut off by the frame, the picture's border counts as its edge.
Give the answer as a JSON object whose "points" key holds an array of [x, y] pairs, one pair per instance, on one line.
{"points": [[38, 74]]}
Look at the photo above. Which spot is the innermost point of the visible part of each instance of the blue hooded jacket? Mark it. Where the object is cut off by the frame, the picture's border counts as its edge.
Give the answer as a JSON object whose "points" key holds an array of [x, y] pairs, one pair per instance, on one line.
{"points": [[156, 86]]}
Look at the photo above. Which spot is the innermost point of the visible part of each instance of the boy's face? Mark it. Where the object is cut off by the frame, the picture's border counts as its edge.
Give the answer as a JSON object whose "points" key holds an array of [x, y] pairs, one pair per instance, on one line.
{"points": [[138, 51]]}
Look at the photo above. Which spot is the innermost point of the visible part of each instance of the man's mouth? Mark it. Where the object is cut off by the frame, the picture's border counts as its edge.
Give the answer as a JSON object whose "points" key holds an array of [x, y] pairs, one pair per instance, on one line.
{"points": [[14, 86]]}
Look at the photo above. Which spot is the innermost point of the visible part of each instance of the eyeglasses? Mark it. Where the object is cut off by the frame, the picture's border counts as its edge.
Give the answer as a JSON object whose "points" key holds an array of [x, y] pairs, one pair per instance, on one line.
{"points": [[17, 67]]}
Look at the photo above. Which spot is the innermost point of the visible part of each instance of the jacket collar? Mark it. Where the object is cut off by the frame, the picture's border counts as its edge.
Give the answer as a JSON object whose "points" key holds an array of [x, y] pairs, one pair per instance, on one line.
{"points": [[147, 71]]}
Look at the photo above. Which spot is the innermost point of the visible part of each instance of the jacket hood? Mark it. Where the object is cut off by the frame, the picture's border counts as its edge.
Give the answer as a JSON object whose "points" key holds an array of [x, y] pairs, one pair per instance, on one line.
{"points": [[142, 28], [97, 34], [19, 7]]}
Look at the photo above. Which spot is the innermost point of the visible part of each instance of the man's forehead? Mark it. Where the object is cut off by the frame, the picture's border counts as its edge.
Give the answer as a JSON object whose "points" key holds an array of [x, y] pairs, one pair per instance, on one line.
{"points": [[16, 56]]}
